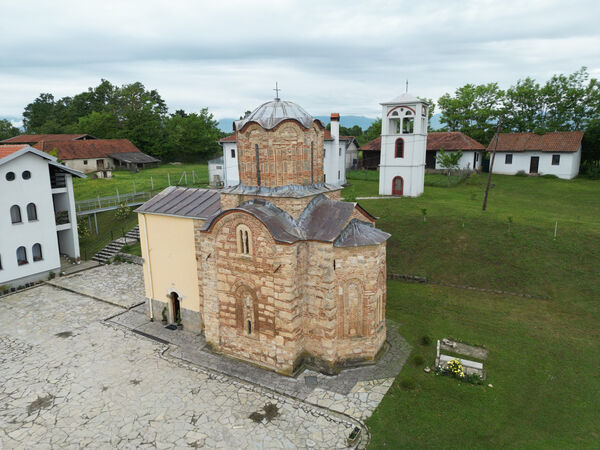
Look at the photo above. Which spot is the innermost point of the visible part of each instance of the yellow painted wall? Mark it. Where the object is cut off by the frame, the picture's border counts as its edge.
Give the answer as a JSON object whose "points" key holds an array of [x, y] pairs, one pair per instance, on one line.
{"points": [[171, 257]]}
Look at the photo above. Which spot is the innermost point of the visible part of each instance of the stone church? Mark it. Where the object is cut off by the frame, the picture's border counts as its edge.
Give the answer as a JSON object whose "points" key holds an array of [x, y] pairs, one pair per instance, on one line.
{"points": [[276, 271]]}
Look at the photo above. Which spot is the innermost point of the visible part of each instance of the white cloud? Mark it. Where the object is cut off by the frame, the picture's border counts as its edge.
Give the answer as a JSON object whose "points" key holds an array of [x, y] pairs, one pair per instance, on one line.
{"points": [[342, 56]]}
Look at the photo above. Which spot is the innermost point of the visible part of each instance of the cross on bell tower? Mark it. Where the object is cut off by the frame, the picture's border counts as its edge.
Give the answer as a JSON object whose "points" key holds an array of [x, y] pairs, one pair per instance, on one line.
{"points": [[276, 91]]}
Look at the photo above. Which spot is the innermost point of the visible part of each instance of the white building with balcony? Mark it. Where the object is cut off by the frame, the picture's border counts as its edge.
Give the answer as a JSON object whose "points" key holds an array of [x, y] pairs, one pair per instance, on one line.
{"points": [[403, 146], [38, 223]]}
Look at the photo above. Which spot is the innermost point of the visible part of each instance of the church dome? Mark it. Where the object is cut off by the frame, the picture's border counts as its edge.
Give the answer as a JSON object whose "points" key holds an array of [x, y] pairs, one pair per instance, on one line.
{"points": [[270, 114]]}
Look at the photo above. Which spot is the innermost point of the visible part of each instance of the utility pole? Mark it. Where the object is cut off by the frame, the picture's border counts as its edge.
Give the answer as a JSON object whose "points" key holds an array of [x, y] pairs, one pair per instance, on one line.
{"points": [[487, 188]]}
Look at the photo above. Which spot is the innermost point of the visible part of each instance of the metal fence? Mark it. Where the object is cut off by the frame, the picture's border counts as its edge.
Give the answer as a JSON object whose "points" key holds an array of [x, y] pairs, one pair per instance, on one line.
{"points": [[99, 204]]}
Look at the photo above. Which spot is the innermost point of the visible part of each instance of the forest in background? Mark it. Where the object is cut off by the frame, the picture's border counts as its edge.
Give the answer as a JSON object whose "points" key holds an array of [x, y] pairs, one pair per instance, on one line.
{"points": [[563, 103]]}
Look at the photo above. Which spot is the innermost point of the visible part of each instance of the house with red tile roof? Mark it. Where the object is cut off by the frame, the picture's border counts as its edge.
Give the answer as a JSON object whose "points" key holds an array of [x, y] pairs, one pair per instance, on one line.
{"points": [[557, 153], [449, 141], [85, 153]]}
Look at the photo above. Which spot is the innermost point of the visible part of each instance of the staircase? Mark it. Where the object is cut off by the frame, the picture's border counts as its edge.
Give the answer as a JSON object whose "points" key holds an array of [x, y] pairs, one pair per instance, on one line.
{"points": [[109, 252]]}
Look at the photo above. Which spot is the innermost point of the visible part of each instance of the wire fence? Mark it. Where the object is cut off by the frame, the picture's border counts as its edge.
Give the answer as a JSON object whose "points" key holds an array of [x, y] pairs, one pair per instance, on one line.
{"points": [[111, 202]]}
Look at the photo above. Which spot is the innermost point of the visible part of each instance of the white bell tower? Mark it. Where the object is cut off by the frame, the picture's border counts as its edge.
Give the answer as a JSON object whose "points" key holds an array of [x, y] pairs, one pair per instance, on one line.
{"points": [[403, 146]]}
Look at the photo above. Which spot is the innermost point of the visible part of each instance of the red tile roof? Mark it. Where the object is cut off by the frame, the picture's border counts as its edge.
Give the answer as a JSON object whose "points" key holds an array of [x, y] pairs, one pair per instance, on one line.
{"points": [[93, 148], [372, 146], [452, 140], [448, 140], [558, 141], [230, 138], [6, 150], [34, 138]]}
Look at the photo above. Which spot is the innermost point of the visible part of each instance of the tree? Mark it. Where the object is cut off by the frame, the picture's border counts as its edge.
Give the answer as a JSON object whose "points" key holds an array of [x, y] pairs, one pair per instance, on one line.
{"points": [[373, 132], [191, 138], [38, 112], [7, 129], [474, 110], [102, 125], [523, 107], [448, 160]]}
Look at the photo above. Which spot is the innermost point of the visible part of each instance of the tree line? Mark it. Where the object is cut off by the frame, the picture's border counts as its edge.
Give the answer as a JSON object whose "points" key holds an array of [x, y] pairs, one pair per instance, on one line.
{"points": [[131, 112], [563, 103]]}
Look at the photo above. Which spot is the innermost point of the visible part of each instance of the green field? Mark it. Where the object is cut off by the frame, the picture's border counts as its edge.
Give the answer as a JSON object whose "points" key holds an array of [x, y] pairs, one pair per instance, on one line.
{"points": [[109, 226], [123, 180], [544, 353]]}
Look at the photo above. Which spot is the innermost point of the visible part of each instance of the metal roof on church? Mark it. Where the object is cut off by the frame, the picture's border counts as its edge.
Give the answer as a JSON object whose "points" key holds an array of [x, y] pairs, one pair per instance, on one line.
{"points": [[270, 114], [177, 201]]}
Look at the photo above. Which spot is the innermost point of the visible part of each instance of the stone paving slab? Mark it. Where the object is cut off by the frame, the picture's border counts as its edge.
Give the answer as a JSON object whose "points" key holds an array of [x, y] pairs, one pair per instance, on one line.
{"points": [[355, 392], [69, 380], [121, 284]]}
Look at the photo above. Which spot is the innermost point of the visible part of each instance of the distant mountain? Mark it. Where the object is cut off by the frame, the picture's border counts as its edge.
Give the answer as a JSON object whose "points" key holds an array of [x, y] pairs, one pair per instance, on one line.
{"points": [[226, 124]]}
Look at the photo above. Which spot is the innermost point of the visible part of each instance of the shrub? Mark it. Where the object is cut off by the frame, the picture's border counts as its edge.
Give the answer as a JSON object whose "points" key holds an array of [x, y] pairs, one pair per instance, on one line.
{"points": [[123, 211], [590, 169], [51, 275], [520, 173], [83, 229], [425, 340], [408, 383], [164, 313], [418, 360]]}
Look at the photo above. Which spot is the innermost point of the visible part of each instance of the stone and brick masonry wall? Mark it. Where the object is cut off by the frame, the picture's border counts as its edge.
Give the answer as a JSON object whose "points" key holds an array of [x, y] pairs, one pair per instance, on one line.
{"points": [[284, 154]]}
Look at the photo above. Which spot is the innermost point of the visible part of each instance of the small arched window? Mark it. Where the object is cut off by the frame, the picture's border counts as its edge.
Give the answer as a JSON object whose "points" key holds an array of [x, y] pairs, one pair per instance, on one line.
{"points": [[15, 214], [10, 176], [399, 148], [21, 256], [244, 240], [26, 174], [31, 212], [36, 251]]}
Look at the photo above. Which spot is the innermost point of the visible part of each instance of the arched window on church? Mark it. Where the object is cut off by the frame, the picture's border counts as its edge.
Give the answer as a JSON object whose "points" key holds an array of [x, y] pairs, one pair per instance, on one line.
{"points": [[399, 148], [246, 311], [353, 309], [244, 240]]}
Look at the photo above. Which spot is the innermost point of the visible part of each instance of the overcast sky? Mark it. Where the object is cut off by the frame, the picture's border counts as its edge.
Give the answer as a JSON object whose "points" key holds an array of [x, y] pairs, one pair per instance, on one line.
{"points": [[327, 56]]}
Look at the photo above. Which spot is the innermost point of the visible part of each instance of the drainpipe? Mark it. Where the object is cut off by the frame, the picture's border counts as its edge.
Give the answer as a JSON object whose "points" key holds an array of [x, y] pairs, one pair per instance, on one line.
{"points": [[149, 267]]}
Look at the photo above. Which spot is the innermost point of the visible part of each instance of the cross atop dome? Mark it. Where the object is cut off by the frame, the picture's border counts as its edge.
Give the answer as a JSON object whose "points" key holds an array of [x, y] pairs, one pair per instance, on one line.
{"points": [[276, 91]]}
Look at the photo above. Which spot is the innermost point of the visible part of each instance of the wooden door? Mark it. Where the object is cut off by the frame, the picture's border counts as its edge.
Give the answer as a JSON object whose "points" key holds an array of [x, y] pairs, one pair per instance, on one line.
{"points": [[534, 164], [100, 164], [397, 186]]}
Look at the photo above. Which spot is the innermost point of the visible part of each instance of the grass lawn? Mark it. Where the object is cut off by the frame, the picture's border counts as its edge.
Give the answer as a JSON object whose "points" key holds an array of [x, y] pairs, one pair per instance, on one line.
{"points": [[133, 249], [123, 180], [107, 223], [544, 354]]}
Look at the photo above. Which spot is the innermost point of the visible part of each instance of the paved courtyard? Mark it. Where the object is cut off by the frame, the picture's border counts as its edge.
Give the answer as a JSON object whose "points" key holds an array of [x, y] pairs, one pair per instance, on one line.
{"points": [[69, 380], [76, 371]]}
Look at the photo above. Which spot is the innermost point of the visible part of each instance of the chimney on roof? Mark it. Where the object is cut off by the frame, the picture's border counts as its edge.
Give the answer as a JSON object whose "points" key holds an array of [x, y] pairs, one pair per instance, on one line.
{"points": [[335, 126]]}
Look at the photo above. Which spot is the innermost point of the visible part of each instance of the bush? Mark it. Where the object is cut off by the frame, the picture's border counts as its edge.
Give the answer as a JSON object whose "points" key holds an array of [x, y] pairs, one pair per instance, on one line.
{"points": [[425, 340], [83, 229], [520, 173], [418, 360], [123, 212], [408, 383], [51, 275], [590, 169]]}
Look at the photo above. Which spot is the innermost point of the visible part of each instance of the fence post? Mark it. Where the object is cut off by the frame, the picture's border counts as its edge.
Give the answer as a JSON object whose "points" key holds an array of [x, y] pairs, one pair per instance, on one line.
{"points": [[151, 183], [118, 199], [185, 174], [96, 221], [134, 187], [169, 178], [99, 205]]}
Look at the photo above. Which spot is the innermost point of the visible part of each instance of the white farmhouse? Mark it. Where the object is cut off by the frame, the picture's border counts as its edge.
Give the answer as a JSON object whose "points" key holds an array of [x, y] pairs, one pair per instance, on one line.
{"points": [[340, 154], [403, 146], [452, 141], [38, 221], [557, 153]]}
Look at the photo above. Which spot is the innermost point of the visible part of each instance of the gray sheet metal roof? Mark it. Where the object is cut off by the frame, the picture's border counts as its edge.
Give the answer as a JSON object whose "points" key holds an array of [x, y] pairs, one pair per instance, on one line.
{"points": [[290, 190], [134, 157], [176, 201], [323, 220], [358, 234], [270, 114]]}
